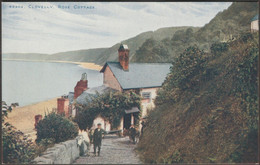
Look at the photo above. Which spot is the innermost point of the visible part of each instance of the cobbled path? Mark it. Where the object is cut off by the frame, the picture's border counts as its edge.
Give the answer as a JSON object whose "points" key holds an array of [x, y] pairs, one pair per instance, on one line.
{"points": [[114, 150]]}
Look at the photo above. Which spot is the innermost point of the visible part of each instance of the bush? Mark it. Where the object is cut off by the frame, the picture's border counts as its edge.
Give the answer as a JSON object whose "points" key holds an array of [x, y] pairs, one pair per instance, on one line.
{"points": [[218, 48], [44, 144], [57, 127], [17, 148], [185, 73]]}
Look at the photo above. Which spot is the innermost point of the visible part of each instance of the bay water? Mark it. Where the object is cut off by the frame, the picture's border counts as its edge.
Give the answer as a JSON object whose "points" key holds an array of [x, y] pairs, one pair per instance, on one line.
{"points": [[31, 82]]}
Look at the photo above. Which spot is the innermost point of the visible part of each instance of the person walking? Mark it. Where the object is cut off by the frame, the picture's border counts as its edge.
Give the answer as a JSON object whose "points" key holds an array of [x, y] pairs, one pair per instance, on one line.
{"points": [[84, 139], [132, 131], [142, 129], [97, 138]]}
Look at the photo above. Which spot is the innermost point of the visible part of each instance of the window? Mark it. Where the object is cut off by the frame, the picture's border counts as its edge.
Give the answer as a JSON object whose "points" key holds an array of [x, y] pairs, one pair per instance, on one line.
{"points": [[146, 95]]}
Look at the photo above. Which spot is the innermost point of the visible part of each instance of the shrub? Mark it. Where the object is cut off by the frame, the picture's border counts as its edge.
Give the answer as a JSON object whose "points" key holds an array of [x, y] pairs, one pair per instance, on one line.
{"points": [[57, 127], [185, 73], [218, 48], [17, 148], [44, 144]]}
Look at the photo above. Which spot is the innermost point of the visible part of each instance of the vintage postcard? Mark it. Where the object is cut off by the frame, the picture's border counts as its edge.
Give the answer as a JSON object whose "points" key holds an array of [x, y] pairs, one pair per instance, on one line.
{"points": [[129, 82]]}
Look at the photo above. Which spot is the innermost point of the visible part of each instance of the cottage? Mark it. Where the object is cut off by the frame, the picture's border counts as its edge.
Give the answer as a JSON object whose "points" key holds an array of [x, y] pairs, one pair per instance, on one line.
{"points": [[255, 24], [144, 78]]}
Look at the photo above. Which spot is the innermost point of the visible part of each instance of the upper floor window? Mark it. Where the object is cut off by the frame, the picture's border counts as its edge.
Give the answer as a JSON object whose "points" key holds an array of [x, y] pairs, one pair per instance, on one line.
{"points": [[146, 95]]}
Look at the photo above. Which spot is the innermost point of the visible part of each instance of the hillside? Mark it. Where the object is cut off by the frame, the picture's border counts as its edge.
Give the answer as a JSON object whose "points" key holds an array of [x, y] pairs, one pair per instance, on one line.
{"points": [[100, 55], [207, 110], [24, 56], [226, 25]]}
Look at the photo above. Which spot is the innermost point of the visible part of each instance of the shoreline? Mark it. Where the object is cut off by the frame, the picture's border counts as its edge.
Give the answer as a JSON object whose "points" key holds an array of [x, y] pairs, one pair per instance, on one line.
{"points": [[86, 65], [22, 118]]}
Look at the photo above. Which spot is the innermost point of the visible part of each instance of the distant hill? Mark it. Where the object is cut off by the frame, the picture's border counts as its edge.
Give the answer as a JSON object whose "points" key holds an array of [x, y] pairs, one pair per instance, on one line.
{"points": [[226, 25], [101, 55], [23, 56]]}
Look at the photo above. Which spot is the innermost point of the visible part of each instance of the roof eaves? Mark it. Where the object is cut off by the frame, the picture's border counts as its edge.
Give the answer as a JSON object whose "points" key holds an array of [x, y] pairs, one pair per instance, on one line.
{"points": [[142, 87], [103, 68]]}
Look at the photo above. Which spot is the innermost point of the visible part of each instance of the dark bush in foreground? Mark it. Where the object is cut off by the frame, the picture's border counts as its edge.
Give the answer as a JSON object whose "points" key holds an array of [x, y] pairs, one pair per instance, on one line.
{"points": [[57, 127], [17, 147]]}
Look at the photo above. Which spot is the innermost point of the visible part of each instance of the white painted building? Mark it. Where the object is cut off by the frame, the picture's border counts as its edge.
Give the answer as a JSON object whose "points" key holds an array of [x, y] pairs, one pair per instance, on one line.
{"points": [[255, 24]]}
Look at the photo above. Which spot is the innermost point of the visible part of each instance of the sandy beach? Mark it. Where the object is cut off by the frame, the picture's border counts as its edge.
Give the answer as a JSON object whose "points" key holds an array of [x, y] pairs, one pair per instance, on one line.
{"points": [[23, 117], [86, 65]]}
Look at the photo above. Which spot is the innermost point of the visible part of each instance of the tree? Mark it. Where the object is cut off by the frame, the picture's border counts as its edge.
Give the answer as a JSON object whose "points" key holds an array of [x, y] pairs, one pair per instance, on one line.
{"points": [[110, 105]]}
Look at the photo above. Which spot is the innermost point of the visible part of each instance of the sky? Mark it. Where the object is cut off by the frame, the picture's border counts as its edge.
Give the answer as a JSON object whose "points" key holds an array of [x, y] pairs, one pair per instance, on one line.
{"points": [[51, 27]]}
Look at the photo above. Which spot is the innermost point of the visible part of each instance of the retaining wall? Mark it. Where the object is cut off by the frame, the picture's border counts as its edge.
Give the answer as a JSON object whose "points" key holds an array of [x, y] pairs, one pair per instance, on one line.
{"points": [[63, 153]]}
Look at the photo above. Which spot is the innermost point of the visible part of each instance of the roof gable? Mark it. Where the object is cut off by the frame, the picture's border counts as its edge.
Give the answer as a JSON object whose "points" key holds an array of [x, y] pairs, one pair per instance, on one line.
{"points": [[139, 75]]}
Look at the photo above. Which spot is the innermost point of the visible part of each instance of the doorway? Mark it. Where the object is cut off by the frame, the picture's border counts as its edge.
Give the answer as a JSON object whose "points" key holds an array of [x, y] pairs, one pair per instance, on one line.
{"points": [[127, 121]]}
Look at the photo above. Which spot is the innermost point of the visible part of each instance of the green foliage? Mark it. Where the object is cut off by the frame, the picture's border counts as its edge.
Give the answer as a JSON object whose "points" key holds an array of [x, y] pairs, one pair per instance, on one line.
{"points": [[57, 127], [225, 26], [218, 48], [151, 51], [111, 106], [186, 68], [175, 157], [207, 103], [17, 147], [184, 74], [44, 144], [244, 151], [246, 79]]}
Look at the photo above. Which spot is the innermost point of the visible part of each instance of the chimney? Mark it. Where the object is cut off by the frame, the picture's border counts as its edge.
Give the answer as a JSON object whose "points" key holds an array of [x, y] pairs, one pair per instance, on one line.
{"points": [[37, 119], [123, 56], [63, 105], [81, 86]]}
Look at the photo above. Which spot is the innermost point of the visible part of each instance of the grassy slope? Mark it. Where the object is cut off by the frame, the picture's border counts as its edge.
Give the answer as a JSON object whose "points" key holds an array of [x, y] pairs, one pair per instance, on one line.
{"points": [[225, 25], [207, 124]]}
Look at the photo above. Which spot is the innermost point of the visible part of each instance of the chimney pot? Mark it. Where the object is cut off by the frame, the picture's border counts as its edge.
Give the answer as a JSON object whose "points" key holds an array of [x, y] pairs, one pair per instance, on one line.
{"points": [[123, 56], [81, 86]]}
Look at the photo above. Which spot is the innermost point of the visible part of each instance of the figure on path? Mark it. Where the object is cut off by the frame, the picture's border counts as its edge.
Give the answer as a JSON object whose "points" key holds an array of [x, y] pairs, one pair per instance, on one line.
{"points": [[142, 129], [132, 132], [97, 138], [86, 140]]}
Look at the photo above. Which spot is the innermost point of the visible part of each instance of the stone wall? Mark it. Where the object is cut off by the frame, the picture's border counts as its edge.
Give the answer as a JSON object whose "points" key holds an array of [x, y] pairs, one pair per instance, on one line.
{"points": [[63, 153]]}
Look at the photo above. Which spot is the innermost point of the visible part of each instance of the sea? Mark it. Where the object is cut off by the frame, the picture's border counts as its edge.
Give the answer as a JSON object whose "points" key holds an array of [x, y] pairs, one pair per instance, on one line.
{"points": [[31, 82]]}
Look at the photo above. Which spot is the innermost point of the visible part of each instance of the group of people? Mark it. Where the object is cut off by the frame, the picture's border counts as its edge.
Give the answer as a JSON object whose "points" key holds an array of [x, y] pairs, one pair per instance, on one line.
{"points": [[133, 133], [93, 137]]}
